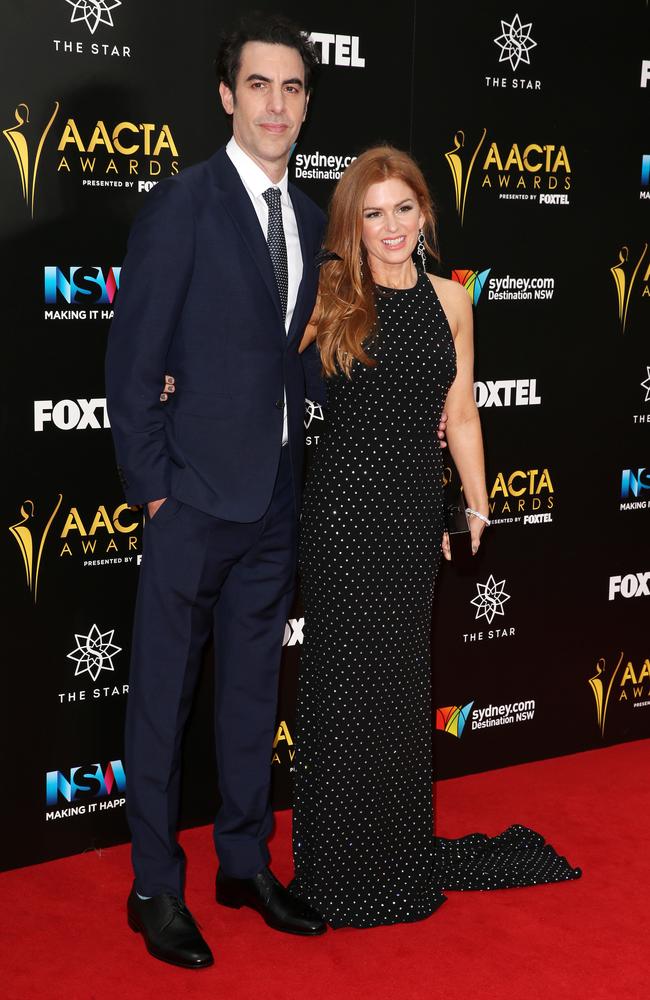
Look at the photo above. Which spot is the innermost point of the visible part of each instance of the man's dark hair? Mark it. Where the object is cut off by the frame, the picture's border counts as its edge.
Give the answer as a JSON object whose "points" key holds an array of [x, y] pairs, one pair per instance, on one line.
{"points": [[272, 29]]}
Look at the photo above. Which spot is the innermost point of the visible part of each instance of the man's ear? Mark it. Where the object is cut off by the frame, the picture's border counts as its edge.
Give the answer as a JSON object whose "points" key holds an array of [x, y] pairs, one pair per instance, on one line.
{"points": [[227, 98]]}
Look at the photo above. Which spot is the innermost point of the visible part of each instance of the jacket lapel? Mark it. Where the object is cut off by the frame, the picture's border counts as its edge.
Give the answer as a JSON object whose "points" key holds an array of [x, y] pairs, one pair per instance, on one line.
{"points": [[298, 320], [239, 207]]}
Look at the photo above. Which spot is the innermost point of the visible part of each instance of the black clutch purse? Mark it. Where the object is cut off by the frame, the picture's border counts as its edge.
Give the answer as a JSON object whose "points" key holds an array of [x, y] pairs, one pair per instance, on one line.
{"points": [[457, 526]]}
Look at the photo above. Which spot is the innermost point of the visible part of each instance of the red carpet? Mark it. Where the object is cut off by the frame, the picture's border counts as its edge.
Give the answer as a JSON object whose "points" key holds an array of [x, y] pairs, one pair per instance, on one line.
{"points": [[64, 934]]}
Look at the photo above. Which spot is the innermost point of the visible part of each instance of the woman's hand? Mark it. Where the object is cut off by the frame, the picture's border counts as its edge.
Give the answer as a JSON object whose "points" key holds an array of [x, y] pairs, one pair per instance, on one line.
{"points": [[442, 428], [168, 388], [309, 336], [476, 529]]}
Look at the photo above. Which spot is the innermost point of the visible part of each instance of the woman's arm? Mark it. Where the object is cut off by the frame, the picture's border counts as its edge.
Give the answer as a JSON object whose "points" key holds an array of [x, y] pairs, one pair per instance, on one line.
{"points": [[309, 336], [464, 426]]}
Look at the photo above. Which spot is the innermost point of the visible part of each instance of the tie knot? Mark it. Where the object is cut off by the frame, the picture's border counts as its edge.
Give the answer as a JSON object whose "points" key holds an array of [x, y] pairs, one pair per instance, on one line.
{"points": [[272, 197]]}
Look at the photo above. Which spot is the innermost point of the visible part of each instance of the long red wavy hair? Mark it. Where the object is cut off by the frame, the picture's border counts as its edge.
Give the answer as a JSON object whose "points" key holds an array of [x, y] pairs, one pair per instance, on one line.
{"points": [[346, 312]]}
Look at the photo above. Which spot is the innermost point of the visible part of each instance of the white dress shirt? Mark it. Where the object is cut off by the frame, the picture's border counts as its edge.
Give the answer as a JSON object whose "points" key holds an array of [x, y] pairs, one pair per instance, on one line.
{"points": [[256, 182]]}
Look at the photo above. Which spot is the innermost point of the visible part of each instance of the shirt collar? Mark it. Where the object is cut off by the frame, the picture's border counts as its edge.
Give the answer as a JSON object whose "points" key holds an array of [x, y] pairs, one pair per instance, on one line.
{"points": [[251, 175]]}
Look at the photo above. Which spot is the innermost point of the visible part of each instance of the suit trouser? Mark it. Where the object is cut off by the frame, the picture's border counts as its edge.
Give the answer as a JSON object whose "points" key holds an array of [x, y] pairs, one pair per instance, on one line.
{"points": [[200, 573]]}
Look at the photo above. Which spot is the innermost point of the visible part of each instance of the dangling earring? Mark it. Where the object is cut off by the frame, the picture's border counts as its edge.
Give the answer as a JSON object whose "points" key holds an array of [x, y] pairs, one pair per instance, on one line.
{"points": [[360, 265], [422, 252]]}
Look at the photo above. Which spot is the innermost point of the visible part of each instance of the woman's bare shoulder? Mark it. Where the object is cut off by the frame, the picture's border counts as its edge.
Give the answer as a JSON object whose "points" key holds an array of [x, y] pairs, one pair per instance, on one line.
{"points": [[453, 299], [453, 290]]}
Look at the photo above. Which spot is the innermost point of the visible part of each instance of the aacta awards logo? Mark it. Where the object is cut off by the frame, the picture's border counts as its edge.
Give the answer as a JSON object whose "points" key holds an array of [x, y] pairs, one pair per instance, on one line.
{"points": [[627, 273], [96, 153], [525, 496], [533, 173], [633, 687], [96, 537], [27, 145], [284, 751]]}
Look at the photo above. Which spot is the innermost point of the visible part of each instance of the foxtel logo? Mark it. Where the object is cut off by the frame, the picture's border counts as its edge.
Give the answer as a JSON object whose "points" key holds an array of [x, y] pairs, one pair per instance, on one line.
{"points": [[631, 585], [507, 392], [293, 632], [346, 49], [71, 414]]}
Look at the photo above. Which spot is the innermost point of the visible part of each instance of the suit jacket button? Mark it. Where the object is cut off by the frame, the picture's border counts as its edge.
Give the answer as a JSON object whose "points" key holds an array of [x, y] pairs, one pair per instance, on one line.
{"points": [[279, 404]]}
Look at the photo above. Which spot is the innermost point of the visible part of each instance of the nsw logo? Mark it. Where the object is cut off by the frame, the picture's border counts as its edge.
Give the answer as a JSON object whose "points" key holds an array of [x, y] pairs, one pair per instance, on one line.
{"points": [[634, 484], [81, 286], [82, 787]]}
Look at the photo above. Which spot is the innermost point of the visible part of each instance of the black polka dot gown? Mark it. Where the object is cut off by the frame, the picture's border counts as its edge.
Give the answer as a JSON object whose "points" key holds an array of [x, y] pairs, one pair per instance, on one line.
{"points": [[370, 538]]}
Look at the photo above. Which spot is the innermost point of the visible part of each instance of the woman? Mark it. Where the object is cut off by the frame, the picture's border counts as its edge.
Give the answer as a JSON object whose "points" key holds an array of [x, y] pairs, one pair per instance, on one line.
{"points": [[396, 346]]}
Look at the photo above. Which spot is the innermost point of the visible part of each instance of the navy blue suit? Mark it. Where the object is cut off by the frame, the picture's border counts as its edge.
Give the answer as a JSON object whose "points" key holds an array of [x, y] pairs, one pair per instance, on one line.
{"points": [[199, 299]]}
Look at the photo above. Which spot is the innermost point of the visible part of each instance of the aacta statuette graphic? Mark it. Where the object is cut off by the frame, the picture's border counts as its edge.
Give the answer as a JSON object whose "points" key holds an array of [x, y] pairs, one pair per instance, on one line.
{"points": [[31, 549], [27, 149], [600, 694], [624, 280], [462, 170]]}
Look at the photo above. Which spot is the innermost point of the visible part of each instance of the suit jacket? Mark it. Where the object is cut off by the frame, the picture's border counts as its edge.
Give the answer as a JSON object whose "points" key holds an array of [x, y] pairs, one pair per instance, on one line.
{"points": [[198, 298]]}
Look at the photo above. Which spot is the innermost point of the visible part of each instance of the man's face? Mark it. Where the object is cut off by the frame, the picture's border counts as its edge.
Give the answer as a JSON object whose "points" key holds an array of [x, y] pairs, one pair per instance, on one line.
{"points": [[269, 104]]}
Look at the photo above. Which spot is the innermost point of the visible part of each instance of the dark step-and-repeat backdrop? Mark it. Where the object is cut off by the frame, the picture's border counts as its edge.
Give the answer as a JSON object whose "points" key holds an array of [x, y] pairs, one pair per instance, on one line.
{"points": [[530, 122]]}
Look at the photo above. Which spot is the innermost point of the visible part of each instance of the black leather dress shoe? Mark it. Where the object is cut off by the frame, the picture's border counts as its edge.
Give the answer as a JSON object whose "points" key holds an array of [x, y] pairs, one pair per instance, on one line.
{"points": [[273, 902], [169, 930]]}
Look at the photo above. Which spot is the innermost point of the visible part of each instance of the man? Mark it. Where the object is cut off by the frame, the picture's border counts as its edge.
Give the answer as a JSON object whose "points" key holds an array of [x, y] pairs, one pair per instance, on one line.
{"points": [[217, 287]]}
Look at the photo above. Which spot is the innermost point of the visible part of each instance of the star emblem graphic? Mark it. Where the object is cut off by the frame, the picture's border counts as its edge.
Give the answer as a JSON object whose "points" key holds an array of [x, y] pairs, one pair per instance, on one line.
{"points": [[313, 411], [93, 12], [490, 599], [515, 42], [646, 385], [94, 652]]}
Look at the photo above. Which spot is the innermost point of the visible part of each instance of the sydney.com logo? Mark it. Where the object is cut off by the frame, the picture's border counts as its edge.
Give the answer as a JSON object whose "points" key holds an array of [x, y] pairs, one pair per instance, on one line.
{"points": [[453, 718]]}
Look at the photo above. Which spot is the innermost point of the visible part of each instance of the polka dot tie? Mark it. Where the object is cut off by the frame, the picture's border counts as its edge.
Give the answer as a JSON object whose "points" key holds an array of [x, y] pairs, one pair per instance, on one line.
{"points": [[277, 244]]}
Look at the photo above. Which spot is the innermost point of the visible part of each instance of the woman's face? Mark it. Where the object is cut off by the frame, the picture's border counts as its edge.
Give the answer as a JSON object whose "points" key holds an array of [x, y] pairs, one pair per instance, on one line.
{"points": [[391, 221]]}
